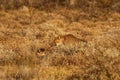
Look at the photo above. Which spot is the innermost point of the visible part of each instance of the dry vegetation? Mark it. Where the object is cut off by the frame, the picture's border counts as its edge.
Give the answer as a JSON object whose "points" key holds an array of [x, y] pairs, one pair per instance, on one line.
{"points": [[27, 28]]}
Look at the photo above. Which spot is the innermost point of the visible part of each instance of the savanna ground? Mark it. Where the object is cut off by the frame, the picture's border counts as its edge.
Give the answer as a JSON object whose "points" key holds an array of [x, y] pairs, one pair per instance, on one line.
{"points": [[24, 31]]}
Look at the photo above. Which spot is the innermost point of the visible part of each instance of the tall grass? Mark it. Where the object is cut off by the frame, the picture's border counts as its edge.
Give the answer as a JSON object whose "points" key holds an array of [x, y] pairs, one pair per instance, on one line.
{"points": [[13, 4]]}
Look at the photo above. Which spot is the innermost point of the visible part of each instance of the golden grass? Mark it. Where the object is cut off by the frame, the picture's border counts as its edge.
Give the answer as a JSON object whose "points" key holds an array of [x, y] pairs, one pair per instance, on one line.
{"points": [[20, 40]]}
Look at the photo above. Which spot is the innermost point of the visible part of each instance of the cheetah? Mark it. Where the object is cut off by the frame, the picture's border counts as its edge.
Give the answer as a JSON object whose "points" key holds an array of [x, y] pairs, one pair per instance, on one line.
{"points": [[68, 42]]}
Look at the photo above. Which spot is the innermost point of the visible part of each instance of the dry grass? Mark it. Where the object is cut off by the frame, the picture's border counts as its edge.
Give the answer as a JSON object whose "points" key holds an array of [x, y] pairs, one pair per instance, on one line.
{"points": [[42, 4], [23, 34]]}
